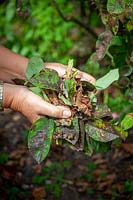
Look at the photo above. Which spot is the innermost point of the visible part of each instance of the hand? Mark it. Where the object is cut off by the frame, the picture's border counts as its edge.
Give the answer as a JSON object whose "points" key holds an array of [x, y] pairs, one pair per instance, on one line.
{"points": [[61, 69], [19, 98]]}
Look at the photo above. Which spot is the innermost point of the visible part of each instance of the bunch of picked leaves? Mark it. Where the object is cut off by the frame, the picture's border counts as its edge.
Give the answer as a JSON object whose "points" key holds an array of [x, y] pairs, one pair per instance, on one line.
{"points": [[89, 128]]}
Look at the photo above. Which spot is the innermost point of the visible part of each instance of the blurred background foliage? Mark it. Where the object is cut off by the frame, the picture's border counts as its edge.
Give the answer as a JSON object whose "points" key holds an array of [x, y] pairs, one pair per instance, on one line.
{"points": [[98, 35]]}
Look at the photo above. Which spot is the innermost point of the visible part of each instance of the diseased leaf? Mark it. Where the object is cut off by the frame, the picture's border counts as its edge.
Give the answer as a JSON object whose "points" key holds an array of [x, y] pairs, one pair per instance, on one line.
{"points": [[100, 131], [102, 111], [108, 79], [67, 130], [127, 122], [40, 137], [35, 65], [102, 44], [47, 79]]}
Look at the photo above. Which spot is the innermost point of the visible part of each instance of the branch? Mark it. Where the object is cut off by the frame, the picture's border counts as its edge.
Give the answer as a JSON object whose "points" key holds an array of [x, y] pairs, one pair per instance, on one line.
{"points": [[73, 19]]}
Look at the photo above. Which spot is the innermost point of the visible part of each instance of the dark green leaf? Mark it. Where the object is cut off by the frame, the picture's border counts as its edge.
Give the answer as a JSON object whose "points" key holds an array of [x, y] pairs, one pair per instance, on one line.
{"points": [[40, 138], [87, 86], [35, 65], [108, 79]]}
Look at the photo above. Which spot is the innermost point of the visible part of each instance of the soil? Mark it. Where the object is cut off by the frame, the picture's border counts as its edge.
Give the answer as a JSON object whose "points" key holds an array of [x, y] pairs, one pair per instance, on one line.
{"points": [[105, 176]]}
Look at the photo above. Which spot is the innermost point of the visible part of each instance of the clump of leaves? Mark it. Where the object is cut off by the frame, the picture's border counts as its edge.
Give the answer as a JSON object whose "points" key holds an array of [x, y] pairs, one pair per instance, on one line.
{"points": [[88, 129]]}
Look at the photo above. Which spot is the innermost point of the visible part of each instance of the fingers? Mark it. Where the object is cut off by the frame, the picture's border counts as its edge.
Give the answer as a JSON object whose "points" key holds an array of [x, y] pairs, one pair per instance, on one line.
{"points": [[34, 107], [86, 77], [54, 111], [61, 69]]}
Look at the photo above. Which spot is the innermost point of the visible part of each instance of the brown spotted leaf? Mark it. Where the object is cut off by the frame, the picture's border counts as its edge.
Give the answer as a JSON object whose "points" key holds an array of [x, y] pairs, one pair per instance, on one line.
{"points": [[40, 138], [103, 43]]}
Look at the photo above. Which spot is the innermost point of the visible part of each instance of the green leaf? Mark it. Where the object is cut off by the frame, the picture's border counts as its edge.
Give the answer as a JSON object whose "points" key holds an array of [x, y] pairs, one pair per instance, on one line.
{"points": [[103, 82], [127, 122], [40, 93], [69, 68], [35, 65], [116, 6], [40, 138], [10, 10], [66, 101], [3, 158], [47, 79], [36, 90], [69, 88]]}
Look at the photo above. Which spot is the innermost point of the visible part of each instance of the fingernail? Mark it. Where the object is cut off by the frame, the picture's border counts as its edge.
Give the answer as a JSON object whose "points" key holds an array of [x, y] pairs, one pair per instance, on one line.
{"points": [[66, 113]]}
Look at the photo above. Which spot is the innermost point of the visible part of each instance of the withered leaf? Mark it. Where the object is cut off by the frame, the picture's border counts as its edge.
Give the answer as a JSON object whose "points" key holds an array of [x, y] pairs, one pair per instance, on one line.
{"points": [[103, 43]]}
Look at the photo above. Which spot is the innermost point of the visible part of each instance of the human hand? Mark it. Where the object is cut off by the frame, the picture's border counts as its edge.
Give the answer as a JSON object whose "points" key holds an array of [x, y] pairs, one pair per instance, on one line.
{"points": [[61, 69], [21, 99]]}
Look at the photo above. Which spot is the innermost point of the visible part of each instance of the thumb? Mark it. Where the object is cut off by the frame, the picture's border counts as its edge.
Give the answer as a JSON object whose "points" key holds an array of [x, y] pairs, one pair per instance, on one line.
{"points": [[54, 111]]}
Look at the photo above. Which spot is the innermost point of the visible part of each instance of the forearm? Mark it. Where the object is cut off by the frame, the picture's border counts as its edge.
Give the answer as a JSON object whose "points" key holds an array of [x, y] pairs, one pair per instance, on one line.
{"points": [[11, 64]]}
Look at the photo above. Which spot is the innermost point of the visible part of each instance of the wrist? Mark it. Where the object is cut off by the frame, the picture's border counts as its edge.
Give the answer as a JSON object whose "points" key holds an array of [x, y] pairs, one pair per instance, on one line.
{"points": [[11, 95]]}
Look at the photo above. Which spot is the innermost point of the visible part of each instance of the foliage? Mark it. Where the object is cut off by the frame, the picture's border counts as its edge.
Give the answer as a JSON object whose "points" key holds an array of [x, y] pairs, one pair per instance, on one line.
{"points": [[28, 30], [86, 127], [3, 158]]}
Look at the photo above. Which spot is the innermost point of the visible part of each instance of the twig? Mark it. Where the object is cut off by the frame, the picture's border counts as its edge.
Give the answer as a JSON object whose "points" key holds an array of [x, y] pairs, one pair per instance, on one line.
{"points": [[73, 19]]}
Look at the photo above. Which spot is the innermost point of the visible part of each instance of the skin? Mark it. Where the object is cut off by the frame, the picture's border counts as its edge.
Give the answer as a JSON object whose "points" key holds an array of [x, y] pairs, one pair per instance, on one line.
{"points": [[19, 98]]}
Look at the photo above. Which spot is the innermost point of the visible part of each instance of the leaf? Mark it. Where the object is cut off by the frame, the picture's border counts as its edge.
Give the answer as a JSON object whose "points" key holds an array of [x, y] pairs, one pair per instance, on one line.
{"points": [[37, 91], [102, 111], [69, 88], [35, 65], [66, 101], [100, 131], [47, 79], [10, 10], [103, 82], [127, 122], [102, 44], [40, 138], [87, 86], [69, 68], [116, 6], [122, 133], [69, 133], [116, 40]]}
